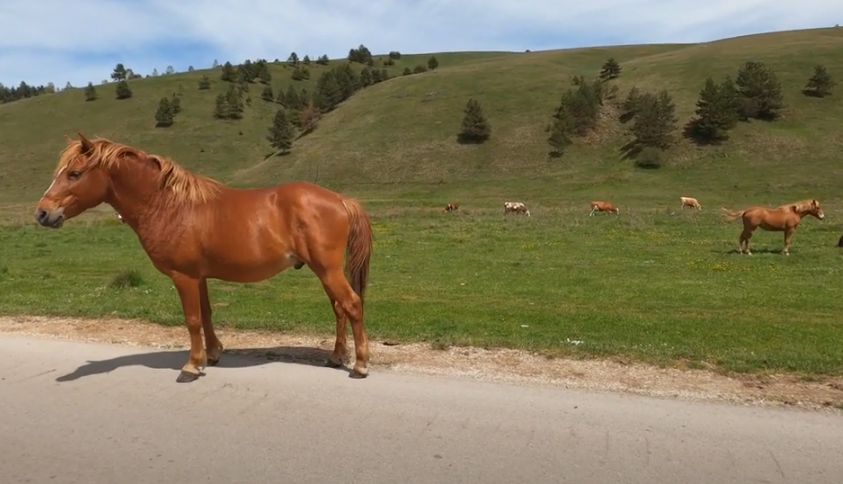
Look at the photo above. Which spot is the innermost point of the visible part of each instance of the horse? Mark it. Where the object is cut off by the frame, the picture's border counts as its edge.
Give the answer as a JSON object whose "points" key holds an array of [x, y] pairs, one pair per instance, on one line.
{"points": [[784, 218], [690, 202], [194, 228]]}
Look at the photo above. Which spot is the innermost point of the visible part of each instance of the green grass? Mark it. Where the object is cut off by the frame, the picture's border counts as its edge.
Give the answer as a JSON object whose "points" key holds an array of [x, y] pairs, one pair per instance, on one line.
{"points": [[646, 285], [649, 286]]}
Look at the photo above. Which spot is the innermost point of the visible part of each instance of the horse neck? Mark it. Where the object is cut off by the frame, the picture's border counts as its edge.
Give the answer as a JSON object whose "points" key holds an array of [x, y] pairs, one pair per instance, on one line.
{"points": [[135, 193]]}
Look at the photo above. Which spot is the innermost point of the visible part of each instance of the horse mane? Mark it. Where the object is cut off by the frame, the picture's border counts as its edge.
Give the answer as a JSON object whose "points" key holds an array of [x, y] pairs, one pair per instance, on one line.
{"points": [[801, 205], [184, 185]]}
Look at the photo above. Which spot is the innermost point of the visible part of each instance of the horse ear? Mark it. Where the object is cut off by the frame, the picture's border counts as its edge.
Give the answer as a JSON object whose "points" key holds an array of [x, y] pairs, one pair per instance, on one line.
{"points": [[69, 141], [86, 143], [794, 208]]}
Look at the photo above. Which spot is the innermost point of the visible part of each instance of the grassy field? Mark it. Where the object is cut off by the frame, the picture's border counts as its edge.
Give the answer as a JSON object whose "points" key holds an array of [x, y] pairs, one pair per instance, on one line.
{"points": [[652, 284]]}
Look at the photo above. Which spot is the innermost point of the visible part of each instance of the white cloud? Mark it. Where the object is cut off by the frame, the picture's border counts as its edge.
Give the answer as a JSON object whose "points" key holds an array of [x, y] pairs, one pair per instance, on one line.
{"points": [[51, 40]]}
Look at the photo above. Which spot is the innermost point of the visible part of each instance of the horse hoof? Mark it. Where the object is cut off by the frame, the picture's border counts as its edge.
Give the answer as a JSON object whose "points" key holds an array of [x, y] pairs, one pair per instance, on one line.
{"points": [[212, 362], [333, 364], [187, 377], [358, 374]]}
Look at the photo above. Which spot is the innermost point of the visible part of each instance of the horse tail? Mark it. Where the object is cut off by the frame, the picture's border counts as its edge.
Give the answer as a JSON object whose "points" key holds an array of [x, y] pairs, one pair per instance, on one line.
{"points": [[358, 250], [730, 214]]}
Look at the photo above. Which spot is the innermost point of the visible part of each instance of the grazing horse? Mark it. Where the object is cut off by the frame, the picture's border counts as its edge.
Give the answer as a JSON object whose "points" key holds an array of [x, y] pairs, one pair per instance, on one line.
{"points": [[784, 218], [195, 228], [600, 206], [452, 207], [515, 207], [690, 202]]}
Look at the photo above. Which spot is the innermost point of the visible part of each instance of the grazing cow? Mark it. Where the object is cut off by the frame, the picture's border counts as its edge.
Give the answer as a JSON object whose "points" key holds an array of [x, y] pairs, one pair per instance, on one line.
{"points": [[515, 207], [600, 206], [690, 202], [452, 207], [779, 219]]}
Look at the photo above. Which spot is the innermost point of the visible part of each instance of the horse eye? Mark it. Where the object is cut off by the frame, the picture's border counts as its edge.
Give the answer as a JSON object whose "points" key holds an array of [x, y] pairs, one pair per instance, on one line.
{"points": [[73, 175]]}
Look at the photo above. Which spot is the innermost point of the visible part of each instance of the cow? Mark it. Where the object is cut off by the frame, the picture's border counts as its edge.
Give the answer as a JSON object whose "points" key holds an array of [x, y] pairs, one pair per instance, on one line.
{"points": [[452, 207], [601, 206], [515, 207], [690, 202]]}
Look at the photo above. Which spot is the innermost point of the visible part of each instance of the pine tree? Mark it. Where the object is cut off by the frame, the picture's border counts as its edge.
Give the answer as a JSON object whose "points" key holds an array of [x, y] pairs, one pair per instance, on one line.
{"points": [[629, 108], [122, 90], [281, 132], [267, 94], [119, 73], [717, 112], [175, 103], [610, 70], [228, 74], [474, 127], [562, 125], [760, 91], [90, 92], [655, 121], [432, 63], [204, 83], [820, 84], [164, 115], [366, 77]]}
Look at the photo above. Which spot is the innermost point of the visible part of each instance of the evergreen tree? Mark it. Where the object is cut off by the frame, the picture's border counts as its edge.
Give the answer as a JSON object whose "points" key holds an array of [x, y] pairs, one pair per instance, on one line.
{"points": [[610, 70], [122, 90], [629, 108], [205, 82], [175, 103], [432, 63], [306, 60], [90, 92], [655, 121], [281, 132], [820, 84], [119, 73], [406, 71], [228, 74], [291, 98], [562, 125], [264, 75], [164, 115], [717, 112], [267, 94], [366, 77], [475, 128], [760, 91]]}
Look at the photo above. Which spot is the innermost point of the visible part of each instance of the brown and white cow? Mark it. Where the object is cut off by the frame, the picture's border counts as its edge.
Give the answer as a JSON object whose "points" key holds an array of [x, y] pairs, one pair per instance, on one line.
{"points": [[515, 207], [690, 202], [602, 206], [452, 207]]}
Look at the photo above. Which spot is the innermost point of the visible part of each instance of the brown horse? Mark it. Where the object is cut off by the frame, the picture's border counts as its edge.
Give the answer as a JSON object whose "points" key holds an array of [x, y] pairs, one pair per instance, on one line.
{"points": [[784, 218], [194, 228]]}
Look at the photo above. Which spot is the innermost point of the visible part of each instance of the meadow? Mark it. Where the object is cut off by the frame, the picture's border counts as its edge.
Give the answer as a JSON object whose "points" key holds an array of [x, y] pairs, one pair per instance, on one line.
{"points": [[653, 284]]}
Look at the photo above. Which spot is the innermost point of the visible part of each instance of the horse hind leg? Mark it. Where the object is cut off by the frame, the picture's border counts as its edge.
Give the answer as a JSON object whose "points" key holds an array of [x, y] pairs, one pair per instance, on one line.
{"points": [[746, 235], [340, 354], [349, 304]]}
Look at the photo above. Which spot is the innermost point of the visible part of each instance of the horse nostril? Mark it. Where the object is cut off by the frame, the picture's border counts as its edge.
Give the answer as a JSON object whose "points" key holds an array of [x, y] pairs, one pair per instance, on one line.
{"points": [[41, 216]]}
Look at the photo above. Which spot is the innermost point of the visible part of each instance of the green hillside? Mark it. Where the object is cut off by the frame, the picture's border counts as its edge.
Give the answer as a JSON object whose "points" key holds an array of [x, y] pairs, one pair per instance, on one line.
{"points": [[400, 136]]}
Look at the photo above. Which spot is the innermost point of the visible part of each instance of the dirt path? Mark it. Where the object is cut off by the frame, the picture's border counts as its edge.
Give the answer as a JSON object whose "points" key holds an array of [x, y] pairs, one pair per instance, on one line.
{"points": [[494, 365]]}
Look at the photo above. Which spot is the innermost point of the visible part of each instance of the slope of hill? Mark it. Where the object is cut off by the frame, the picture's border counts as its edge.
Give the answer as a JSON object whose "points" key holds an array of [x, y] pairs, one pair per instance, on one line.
{"points": [[400, 136]]}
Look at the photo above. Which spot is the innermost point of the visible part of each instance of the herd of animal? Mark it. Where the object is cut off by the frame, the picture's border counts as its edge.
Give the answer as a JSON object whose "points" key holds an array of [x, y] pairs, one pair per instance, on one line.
{"points": [[784, 218]]}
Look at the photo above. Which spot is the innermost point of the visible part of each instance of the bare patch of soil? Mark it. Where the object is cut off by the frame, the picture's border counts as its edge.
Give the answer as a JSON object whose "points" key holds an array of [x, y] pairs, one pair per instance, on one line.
{"points": [[502, 365]]}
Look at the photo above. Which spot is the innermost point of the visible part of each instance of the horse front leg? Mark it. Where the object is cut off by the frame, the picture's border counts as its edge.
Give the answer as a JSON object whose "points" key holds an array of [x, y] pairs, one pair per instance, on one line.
{"points": [[189, 294], [213, 346], [788, 236]]}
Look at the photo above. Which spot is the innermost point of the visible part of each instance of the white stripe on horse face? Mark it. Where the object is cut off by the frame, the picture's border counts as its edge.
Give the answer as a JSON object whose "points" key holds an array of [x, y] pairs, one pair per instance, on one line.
{"points": [[54, 181]]}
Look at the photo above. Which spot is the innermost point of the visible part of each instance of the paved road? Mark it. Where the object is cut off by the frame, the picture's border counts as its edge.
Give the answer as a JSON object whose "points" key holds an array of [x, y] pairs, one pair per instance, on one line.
{"points": [[123, 419]]}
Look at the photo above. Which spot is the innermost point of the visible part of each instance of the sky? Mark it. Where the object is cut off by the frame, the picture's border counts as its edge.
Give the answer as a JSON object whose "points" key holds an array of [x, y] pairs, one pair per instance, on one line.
{"points": [[56, 41]]}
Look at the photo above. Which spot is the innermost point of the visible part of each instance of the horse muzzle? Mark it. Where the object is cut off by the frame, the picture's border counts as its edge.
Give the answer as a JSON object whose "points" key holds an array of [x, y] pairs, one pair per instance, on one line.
{"points": [[51, 219]]}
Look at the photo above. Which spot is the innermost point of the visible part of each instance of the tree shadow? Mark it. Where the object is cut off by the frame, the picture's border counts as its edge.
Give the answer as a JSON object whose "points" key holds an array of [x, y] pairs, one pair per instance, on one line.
{"points": [[464, 139], [234, 358], [630, 150], [815, 93], [272, 154], [692, 133]]}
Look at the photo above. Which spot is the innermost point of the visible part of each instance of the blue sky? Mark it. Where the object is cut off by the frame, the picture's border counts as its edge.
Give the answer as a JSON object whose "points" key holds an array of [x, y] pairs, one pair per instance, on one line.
{"points": [[57, 41]]}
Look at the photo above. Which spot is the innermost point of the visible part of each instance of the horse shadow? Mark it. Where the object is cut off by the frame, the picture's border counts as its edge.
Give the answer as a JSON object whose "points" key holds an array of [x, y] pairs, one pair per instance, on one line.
{"points": [[756, 251], [234, 358]]}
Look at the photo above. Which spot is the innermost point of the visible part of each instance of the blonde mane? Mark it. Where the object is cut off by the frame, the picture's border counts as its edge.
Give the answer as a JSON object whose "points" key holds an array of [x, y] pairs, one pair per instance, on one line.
{"points": [[182, 184], [801, 205]]}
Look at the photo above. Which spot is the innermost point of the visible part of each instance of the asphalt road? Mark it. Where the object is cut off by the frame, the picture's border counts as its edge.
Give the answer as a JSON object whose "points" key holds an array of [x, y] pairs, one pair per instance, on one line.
{"points": [[123, 419]]}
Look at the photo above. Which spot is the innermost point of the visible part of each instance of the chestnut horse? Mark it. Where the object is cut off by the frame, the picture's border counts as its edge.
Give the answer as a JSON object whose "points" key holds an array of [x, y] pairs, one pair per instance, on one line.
{"points": [[194, 228], [784, 218]]}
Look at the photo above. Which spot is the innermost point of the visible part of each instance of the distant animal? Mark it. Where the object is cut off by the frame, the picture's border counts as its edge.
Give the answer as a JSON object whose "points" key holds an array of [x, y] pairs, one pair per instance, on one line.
{"points": [[784, 218], [690, 202], [452, 207], [194, 228], [601, 206], [515, 207], [840, 241]]}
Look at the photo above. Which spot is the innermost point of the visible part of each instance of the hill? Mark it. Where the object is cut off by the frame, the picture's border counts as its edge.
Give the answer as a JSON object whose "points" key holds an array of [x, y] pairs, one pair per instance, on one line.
{"points": [[399, 136]]}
